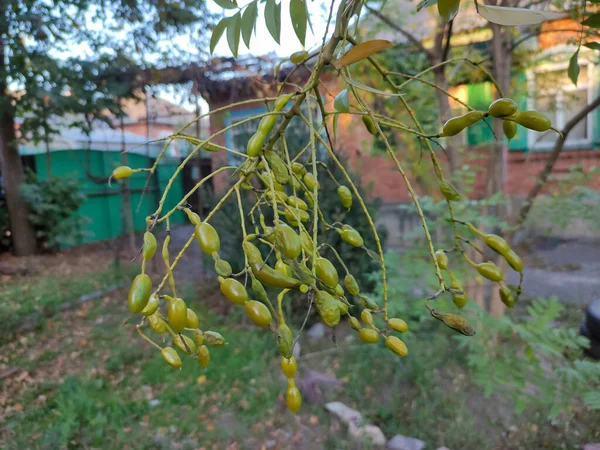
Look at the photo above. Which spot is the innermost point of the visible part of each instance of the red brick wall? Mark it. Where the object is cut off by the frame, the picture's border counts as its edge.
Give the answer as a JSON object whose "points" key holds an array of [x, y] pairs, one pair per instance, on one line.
{"points": [[380, 173]]}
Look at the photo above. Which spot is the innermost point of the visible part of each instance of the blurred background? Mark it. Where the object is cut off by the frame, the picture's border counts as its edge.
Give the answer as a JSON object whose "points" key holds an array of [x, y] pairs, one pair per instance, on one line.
{"points": [[89, 85]]}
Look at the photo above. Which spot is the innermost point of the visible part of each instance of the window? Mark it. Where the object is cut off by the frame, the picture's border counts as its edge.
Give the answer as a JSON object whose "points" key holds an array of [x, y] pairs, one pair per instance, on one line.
{"points": [[553, 93], [296, 133]]}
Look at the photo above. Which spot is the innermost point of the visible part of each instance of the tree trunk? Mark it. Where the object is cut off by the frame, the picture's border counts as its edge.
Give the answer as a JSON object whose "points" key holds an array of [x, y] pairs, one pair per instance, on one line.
{"points": [[22, 234]]}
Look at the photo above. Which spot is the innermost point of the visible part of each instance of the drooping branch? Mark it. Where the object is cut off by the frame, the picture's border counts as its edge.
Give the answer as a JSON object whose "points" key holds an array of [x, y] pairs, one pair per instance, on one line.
{"points": [[558, 147], [400, 30]]}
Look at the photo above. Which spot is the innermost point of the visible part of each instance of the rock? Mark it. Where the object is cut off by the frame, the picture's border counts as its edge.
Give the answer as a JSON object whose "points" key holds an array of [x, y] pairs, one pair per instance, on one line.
{"points": [[312, 384], [346, 414], [443, 448], [370, 433], [317, 331], [400, 442], [591, 446], [270, 443]]}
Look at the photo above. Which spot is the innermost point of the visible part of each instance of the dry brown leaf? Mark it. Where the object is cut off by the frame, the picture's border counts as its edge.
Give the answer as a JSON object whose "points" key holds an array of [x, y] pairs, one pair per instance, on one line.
{"points": [[362, 51]]}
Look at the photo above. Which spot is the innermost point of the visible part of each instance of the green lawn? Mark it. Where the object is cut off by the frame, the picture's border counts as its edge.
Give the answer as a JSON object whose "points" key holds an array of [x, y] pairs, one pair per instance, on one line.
{"points": [[88, 381]]}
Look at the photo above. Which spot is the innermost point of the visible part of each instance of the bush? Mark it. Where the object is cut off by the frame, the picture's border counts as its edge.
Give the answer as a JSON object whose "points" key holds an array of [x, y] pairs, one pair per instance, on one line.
{"points": [[52, 203]]}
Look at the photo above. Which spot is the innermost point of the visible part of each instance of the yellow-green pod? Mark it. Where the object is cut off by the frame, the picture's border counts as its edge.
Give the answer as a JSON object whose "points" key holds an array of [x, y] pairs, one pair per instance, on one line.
{"points": [[203, 355], [460, 300], [328, 308], [366, 317], [255, 144], [503, 107], [233, 290], [396, 345], [343, 307], [287, 241], [292, 216], [149, 246], [285, 340], [259, 313], [368, 303], [398, 325], [490, 271], [351, 285], [298, 57], [368, 335], [298, 168], [509, 128], [449, 191], [157, 323], [514, 260], [345, 196], [283, 268], [191, 319], [339, 290], [369, 124], [282, 101], [310, 181], [223, 268], [214, 339], [442, 259], [177, 315], [192, 216], [306, 241], [139, 293], [122, 172], [326, 272], [296, 202], [341, 102], [534, 120], [354, 323], [456, 124], [351, 236], [506, 296], [207, 238], [169, 354], [293, 398], [289, 366], [278, 167], [152, 305], [185, 344]]}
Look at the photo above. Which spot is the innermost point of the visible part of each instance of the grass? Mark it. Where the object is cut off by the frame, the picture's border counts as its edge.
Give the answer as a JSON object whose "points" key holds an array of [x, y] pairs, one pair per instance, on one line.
{"points": [[88, 381]]}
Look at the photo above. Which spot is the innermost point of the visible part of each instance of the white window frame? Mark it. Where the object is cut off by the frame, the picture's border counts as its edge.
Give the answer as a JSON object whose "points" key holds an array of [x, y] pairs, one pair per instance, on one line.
{"points": [[533, 136]]}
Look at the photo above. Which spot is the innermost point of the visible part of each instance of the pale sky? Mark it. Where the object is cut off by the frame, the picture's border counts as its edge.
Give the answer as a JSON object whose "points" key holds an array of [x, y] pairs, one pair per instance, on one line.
{"points": [[262, 43]]}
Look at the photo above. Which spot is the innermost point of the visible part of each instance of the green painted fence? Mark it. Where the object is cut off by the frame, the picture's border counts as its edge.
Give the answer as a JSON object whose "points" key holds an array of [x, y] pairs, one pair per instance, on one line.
{"points": [[103, 203]]}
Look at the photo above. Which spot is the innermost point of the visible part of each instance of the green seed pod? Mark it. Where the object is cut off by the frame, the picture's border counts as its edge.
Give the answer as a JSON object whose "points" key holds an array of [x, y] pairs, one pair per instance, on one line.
{"points": [[282, 101], [192, 319], [285, 340], [152, 305], [223, 268], [310, 181], [186, 345], [306, 242], [214, 339], [490, 271], [369, 124], [506, 296], [259, 313], [514, 260], [396, 345], [233, 290], [342, 307], [442, 259], [366, 302], [454, 321], [368, 335], [296, 202], [169, 354], [456, 124], [351, 236], [267, 123], [345, 196], [351, 285], [503, 107], [460, 300], [448, 8], [510, 129], [283, 268], [207, 238], [366, 317], [354, 323], [341, 103], [203, 355], [157, 323], [339, 290], [258, 289], [298, 57], [534, 120], [290, 216], [192, 216], [177, 315], [298, 168], [496, 243], [398, 325], [277, 167], [326, 272], [449, 191], [287, 241], [255, 144], [122, 172], [328, 308], [139, 293], [149, 246]]}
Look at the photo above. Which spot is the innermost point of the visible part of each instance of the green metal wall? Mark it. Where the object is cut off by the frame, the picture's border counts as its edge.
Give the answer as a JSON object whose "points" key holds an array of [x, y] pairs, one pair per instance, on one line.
{"points": [[103, 203]]}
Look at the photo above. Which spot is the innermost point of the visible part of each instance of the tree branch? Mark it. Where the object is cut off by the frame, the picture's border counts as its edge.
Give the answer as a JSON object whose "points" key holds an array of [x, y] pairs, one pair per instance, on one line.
{"points": [[400, 30], [553, 158], [448, 38]]}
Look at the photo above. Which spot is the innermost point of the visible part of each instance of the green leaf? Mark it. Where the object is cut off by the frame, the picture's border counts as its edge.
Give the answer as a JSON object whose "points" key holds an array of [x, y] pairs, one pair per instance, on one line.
{"points": [[226, 4], [273, 19], [299, 17], [593, 45], [233, 33], [217, 33], [592, 21], [573, 70], [341, 102], [504, 15], [364, 87], [248, 22]]}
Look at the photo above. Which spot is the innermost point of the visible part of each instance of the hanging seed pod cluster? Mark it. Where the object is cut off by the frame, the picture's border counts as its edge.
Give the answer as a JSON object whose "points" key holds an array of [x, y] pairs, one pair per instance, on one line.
{"points": [[288, 254]]}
